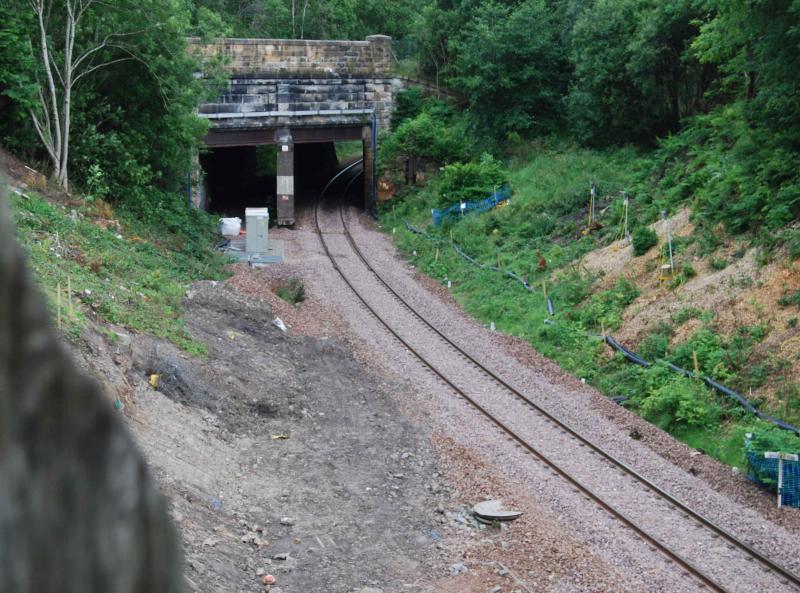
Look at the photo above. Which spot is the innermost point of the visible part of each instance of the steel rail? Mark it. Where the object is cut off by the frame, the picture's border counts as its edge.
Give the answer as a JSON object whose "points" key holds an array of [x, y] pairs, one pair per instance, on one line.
{"points": [[785, 573], [686, 565]]}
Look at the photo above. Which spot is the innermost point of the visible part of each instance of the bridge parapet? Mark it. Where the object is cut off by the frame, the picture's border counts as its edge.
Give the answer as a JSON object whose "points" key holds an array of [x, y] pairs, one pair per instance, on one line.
{"points": [[300, 58], [297, 80]]}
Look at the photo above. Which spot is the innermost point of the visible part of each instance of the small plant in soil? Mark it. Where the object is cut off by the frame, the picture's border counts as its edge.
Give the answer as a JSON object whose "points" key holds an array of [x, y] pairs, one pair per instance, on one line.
{"points": [[719, 263], [643, 239], [292, 291]]}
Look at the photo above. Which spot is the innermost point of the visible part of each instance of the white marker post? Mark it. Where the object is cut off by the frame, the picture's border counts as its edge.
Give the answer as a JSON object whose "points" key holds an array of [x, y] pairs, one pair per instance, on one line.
{"points": [[780, 457]]}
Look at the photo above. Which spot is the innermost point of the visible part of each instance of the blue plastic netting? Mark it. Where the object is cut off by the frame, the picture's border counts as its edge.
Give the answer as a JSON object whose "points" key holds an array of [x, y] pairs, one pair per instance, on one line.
{"points": [[501, 195], [765, 472]]}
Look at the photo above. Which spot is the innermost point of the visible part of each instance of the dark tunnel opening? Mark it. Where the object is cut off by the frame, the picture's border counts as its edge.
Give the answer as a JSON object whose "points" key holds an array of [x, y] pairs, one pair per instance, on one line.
{"points": [[243, 177], [239, 177]]}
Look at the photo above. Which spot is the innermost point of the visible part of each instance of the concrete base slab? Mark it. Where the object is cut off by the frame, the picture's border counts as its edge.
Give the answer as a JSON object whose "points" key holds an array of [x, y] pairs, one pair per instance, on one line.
{"points": [[273, 255]]}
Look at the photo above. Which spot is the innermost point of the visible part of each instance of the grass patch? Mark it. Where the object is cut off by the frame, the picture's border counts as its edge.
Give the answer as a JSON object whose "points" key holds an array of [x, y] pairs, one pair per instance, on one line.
{"points": [[292, 291], [116, 273]]}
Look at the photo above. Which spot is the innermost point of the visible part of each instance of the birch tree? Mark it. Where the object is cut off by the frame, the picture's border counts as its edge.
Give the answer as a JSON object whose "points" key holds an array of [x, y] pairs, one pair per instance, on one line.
{"points": [[69, 44]]}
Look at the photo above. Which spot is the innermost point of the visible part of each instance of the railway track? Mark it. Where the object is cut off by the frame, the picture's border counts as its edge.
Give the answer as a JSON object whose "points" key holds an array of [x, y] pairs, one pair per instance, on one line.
{"points": [[625, 492]]}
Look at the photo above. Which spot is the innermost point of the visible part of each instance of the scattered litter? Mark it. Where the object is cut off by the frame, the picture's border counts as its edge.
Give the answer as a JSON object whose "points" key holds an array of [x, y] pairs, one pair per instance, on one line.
{"points": [[287, 521], [278, 322], [154, 380], [232, 335], [118, 405], [280, 437], [458, 568], [268, 579], [216, 503], [435, 535], [494, 510]]}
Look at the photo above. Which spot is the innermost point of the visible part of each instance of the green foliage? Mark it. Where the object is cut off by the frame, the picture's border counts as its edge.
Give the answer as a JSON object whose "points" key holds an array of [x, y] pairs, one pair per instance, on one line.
{"points": [[606, 307], [718, 263], [136, 278], [511, 68], [674, 402], [643, 239], [133, 123], [655, 345], [314, 19], [408, 104], [790, 298], [687, 272], [292, 291], [469, 181], [633, 76], [437, 134]]}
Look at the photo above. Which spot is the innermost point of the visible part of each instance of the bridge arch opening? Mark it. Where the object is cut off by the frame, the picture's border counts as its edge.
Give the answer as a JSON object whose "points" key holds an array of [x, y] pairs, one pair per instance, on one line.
{"points": [[240, 177]]}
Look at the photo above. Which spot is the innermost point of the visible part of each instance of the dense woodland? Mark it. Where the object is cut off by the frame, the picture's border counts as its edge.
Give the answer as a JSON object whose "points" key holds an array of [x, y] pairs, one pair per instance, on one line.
{"points": [[713, 84]]}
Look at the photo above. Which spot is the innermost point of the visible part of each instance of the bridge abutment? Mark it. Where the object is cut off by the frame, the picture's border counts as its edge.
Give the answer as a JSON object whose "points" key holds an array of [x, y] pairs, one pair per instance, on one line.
{"points": [[290, 92]]}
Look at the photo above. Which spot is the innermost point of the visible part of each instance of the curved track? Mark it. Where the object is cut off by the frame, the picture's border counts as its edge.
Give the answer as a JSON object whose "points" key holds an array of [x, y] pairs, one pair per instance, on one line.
{"points": [[645, 487]]}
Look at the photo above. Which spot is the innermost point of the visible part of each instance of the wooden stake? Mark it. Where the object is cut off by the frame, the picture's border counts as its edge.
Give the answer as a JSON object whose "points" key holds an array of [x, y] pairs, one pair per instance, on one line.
{"points": [[70, 310], [602, 329], [544, 289], [58, 305], [696, 365], [436, 257]]}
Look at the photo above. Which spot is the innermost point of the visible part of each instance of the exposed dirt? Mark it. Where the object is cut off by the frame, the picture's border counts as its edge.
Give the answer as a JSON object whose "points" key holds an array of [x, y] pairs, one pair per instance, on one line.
{"points": [[281, 454], [743, 293]]}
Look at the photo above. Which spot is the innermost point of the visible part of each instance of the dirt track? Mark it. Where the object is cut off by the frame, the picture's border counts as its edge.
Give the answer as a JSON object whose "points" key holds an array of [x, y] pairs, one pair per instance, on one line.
{"points": [[281, 454]]}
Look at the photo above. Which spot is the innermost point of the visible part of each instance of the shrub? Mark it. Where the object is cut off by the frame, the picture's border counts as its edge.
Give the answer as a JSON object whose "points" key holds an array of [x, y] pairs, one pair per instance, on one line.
{"points": [[293, 291], [719, 263], [470, 181], [674, 402], [643, 239], [790, 299]]}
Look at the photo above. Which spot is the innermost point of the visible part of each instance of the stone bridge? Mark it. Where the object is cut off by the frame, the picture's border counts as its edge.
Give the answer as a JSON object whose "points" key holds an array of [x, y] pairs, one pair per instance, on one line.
{"points": [[289, 92]]}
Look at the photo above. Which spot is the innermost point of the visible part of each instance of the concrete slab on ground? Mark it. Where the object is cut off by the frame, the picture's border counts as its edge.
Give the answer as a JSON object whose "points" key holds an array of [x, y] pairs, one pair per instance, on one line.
{"points": [[273, 255]]}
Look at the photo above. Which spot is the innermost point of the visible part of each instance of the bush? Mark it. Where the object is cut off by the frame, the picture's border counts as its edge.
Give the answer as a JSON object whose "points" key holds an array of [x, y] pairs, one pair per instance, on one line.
{"points": [[293, 291], [643, 239], [408, 105], [674, 402], [719, 263], [437, 134], [470, 181]]}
